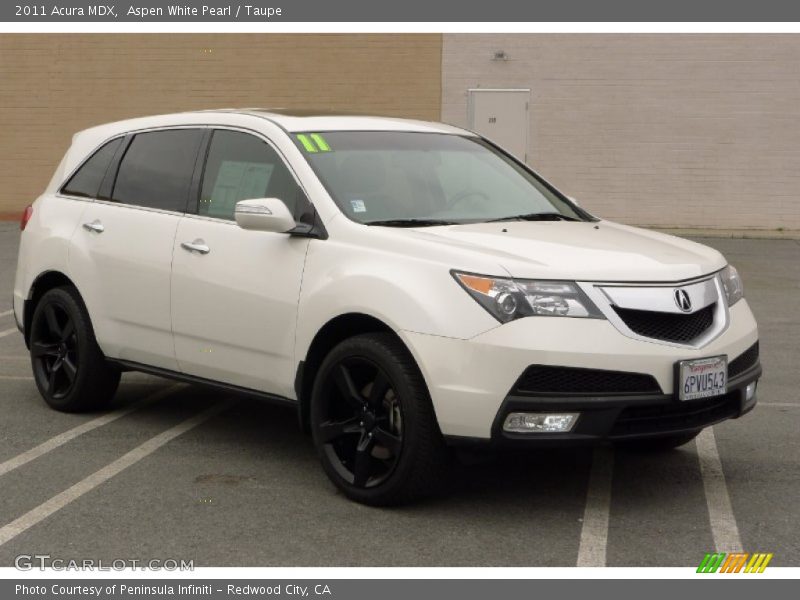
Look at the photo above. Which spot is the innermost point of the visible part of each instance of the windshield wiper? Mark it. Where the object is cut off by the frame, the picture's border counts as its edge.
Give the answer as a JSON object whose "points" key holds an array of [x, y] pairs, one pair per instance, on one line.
{"points": [[535, 217], [410, 222]]}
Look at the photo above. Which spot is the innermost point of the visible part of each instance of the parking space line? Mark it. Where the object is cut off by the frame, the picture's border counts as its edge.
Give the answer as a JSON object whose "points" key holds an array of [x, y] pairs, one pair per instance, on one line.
{"points": [[781, 404], [720, 512], [67, 436], [5, 313], [8, 332], [16, 378], [594, 533], [59, 501]]}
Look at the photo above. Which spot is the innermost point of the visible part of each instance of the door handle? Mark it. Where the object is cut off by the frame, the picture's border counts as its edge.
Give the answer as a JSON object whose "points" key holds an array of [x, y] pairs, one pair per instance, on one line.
{"points": [[95, 226], [198, 246]]}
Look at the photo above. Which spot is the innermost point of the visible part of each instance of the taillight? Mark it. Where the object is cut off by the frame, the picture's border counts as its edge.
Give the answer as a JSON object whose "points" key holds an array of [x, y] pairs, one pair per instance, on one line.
{"points": [[26, 216]]}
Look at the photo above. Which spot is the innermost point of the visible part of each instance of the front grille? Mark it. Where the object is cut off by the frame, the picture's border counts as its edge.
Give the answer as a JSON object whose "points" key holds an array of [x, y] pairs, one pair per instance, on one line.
{"points": [[670, 327], [691, 414], [553, 380], [744, 361]]}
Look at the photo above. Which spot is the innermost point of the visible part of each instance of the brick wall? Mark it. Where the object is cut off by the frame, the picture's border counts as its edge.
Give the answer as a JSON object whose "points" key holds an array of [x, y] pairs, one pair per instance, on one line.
{"points": [[665, 130], [54, 85]]}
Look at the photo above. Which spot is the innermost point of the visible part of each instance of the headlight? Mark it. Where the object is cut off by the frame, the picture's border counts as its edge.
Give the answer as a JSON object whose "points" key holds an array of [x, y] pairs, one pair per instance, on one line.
{"points": [[732, 284], [509, 299]]}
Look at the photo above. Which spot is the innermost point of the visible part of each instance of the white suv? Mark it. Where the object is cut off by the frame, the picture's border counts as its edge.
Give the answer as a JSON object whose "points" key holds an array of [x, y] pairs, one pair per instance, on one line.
{"points": [[407, 286]]}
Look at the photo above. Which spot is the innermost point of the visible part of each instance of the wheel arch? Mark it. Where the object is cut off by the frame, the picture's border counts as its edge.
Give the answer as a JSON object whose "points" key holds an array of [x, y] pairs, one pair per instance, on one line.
{"points": [[43, 283], [333, 332]]}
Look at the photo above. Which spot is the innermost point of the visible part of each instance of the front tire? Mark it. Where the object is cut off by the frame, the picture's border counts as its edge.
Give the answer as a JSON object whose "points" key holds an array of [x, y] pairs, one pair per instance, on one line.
{"points": [[373, 423], [68, 366]]}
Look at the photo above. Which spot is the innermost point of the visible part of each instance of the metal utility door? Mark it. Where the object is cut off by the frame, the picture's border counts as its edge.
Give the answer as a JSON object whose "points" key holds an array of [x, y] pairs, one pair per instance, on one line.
{"points": [[502, 117]]}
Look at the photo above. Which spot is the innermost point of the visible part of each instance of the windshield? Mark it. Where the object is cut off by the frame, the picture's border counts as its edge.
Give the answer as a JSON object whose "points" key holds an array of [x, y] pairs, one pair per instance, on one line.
{"points": [[396, 178]]}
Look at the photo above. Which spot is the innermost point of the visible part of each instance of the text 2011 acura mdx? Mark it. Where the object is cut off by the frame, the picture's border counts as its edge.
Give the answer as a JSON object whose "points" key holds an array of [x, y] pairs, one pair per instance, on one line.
{"points": [[407, 285]]}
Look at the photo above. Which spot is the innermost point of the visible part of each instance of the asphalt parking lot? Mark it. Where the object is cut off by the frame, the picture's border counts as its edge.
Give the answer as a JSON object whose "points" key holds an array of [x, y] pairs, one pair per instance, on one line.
{"points": [[240, 485]]}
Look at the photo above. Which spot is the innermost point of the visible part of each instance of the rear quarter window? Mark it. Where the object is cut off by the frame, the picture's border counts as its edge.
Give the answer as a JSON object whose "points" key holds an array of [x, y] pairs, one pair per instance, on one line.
{"points": [[87, 179]]}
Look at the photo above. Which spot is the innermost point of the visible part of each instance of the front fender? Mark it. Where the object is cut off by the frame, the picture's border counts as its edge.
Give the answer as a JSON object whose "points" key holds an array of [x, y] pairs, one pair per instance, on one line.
{"points": [[406, 293]]}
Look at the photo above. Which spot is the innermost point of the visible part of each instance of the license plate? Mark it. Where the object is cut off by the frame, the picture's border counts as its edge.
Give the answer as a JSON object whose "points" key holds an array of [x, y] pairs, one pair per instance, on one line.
{"points": [[702, 378]]}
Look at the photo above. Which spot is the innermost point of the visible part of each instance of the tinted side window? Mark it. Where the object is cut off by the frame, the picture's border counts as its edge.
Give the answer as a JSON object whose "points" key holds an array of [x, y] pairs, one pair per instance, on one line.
{"points": [[86, 180], [156, 170], [241, 167]]}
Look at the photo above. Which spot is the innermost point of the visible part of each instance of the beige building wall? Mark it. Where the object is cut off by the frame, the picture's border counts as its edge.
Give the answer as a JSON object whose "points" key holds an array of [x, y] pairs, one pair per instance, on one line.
{"points": [[666, 130], [54, 85]]}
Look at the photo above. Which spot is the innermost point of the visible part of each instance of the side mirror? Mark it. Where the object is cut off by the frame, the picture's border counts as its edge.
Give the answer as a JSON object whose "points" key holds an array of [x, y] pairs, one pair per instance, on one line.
{"points": [[264, 214]]}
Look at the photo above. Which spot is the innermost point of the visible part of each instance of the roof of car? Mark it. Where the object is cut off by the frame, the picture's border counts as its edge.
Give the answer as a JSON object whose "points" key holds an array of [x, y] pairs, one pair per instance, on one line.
{"points": [[288, 119], [295, 120]]}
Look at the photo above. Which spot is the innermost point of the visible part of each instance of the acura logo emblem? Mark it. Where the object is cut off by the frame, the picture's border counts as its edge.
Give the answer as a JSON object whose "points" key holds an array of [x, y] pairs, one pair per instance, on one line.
{"points": [[682, 300]]}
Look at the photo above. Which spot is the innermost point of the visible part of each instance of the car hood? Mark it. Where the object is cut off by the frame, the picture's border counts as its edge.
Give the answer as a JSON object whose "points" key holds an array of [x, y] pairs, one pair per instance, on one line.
{"points": [[601, 251]]}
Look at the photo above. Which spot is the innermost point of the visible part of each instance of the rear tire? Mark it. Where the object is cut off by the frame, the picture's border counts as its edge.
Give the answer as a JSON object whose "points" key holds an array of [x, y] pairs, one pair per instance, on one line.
{"points": [[658, 444], [373, 423], [68, 366]]}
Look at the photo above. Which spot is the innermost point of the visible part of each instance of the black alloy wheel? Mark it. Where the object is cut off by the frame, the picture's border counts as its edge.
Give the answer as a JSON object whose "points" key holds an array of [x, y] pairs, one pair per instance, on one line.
{"points": [[54, 351], [68, 366], [373, 422], [362, 430]]}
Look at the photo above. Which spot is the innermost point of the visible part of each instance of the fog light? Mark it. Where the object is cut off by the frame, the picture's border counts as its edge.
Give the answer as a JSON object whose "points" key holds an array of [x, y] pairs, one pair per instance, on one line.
{"points": [[539, 422], [750, 391]]}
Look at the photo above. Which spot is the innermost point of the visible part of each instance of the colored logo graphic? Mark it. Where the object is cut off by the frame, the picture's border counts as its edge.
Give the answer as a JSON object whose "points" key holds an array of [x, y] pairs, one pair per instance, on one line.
{"points": [[736, 562], [308, 141]]}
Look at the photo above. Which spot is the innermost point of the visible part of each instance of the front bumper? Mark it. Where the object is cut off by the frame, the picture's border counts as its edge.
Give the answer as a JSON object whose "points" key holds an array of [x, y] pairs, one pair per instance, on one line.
{"points": [[470, 380], [625, 417]]}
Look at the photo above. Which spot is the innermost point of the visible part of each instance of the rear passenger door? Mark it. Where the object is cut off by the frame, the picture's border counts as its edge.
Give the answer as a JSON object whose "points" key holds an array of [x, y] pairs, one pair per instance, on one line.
{"points": [[121, 254], [234, 302]]}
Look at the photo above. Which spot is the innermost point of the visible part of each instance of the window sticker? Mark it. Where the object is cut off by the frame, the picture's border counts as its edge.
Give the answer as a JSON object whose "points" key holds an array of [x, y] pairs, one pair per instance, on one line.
{"points": [[238, 181], [358, 206], [322, 144], [307, 143], [313, 142]]}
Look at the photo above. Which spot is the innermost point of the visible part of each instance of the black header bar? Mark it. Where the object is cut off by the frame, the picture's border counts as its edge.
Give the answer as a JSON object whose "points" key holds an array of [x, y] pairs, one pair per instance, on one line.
{"points": [[445, 11]]}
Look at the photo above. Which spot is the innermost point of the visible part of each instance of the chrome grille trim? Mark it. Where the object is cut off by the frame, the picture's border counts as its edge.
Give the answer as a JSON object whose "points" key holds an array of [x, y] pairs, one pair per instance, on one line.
{"points": [[659, 297]]}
